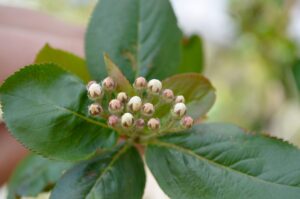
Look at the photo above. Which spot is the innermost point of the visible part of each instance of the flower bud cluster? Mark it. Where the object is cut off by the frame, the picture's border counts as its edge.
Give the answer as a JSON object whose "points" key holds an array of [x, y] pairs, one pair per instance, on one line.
{"points": [[135, 113]]}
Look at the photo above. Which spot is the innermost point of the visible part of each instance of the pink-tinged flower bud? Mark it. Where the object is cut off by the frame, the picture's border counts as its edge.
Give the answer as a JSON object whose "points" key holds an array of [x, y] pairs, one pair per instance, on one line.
{"points": [[122, 97], [187, 122], [179, 110], [127, 120], [115, 106], [179, 99], [153, 124], [140, 83], [147, 109], [95, 109], [168, 95], [108, 84], [140, 123], [94, 90], [113, 121], [154, 86], [135, 104]]}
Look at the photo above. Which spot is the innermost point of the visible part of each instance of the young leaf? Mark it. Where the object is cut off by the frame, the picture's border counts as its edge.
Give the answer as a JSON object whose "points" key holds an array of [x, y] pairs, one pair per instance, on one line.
{"points": [[45, 108], [222, 161], [141, 36], [192, 55], [115, 73], [34, 175], [114, 175], [66, 60], [198, 92]]}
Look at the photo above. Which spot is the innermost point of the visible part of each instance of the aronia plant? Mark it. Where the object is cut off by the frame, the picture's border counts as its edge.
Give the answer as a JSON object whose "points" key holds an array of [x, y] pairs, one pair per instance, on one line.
{"points": [[138, 99]]}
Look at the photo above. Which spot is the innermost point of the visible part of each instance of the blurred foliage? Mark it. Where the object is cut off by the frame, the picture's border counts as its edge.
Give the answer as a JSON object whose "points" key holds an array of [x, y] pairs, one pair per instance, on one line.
{"points": [[256, 73], [77, 11], [265, 24]]}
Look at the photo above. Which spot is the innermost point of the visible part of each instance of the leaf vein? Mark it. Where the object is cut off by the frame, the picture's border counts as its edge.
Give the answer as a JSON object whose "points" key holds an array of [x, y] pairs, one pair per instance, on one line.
{"points": [[201, 158]]}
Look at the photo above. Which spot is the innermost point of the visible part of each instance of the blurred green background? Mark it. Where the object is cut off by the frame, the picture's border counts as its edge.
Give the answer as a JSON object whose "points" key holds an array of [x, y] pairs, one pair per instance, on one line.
{"points": [[251, 56]]}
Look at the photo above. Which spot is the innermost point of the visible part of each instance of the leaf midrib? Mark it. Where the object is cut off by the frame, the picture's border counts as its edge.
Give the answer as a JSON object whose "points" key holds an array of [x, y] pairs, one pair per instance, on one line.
{"points": [[201, 158], [63, 109], [138, 41], [109, 166]]}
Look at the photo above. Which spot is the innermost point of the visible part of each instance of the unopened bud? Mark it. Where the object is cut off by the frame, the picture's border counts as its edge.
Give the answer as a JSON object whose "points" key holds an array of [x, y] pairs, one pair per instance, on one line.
{"points": [[127, 120], [122, 97], [179, 99], [148, 109], [108, 84], [140, 123], [135, 104], [140, 83], [95, 109], [168, 95], [94, 90], [154, 86], [187, 122], [179, 110], [153, 124], [115, 106], [113, 121]]}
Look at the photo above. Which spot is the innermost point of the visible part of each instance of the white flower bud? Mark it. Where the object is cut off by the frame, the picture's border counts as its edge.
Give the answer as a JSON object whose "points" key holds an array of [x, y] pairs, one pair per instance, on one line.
{"points": [[108, 84], [127, 120], [140, 83], [168, 95], [153, 124], [135, 104], [95, 109], [148, 109], [122, 97], [179, 99], [113, 121], [94, 90], [187, 122], [179, 110], [115, 106], [140, 123], [154, 86]]}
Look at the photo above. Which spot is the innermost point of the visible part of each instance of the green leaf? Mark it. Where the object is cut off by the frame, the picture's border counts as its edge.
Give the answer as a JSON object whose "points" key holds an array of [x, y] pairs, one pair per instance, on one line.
{"points": [[34, 175], [192, 55], [115, 73], [198, 92], [45, 108], [141, 36], [222, 161], [114, 175], [66, 60], [296, 73]]}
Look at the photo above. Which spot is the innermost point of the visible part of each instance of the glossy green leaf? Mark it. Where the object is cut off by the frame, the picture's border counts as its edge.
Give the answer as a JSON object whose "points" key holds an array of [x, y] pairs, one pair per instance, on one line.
{"points": [[222, 161], [115, 73], [114, 175], [198, 92], [45, 108], [34, 175], [141, 36], [66, 60], [192, 55], [296, 73]]}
